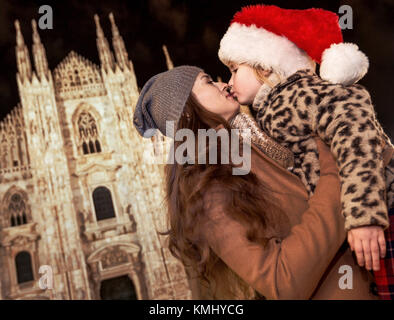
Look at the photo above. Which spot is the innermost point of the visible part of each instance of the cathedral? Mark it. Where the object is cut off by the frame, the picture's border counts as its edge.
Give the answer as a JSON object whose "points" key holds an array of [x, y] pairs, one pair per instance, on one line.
{"points": [[81, 193]]}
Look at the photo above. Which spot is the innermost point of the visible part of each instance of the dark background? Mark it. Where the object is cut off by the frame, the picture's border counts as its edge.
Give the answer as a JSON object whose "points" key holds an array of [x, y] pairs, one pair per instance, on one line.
{"points": [[191, 30]]}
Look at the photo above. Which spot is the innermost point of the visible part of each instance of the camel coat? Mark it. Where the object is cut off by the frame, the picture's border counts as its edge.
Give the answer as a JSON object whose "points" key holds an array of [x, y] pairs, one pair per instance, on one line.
{"points": [[305, 252]]}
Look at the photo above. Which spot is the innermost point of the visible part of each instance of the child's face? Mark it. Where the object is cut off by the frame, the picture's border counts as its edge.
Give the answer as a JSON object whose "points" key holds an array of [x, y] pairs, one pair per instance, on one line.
{"points": [[244, 83]]}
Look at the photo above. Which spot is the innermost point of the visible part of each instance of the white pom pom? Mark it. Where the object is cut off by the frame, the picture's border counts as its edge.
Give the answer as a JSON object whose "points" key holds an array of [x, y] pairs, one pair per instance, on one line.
{"points": [[343, 63]]}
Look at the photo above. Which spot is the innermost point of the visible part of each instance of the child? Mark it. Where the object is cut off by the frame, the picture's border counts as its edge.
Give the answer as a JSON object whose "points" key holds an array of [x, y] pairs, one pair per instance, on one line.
{"points": [[272, 54]]}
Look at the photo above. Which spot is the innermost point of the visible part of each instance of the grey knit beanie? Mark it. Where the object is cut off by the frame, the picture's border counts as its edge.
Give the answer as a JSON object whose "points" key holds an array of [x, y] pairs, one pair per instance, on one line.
{"points": [[163, 98]]}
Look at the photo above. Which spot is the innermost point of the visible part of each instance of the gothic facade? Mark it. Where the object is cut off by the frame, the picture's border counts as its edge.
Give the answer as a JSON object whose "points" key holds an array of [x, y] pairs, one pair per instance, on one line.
{"points": [[81, 193]]}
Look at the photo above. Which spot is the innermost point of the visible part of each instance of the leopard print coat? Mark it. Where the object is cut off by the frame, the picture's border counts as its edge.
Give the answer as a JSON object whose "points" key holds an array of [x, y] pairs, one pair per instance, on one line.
{"points": [[304, 106]]}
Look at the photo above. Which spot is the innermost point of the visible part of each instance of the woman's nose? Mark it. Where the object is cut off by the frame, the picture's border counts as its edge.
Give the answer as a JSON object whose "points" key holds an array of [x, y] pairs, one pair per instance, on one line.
{"points": [[221, 86]]}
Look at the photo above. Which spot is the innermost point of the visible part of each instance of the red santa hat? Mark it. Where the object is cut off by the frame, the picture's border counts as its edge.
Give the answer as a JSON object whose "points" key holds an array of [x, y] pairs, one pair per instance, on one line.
{"points": [[285, 41]]}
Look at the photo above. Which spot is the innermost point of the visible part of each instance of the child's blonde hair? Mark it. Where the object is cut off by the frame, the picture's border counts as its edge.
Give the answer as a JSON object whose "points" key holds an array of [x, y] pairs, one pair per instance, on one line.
{"points": [[262, 75]]}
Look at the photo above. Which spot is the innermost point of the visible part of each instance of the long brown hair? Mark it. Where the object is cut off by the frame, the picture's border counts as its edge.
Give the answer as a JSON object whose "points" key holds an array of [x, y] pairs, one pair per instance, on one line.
{"points": [[185, 185]]}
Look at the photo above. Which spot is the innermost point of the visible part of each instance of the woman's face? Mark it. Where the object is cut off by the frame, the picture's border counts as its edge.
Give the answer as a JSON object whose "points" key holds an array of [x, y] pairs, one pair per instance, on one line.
{"points": [[244, 83], [213, 96]]}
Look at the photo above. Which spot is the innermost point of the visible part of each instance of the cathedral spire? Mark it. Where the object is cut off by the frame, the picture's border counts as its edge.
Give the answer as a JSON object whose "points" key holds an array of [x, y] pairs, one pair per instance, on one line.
{"points": [[40, 58], [169, 62], [117, 41], [22, 54], [105, 54]]}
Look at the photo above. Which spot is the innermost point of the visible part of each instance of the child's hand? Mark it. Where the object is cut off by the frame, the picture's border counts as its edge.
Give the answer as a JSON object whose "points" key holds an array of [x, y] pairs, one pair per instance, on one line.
{"points": [[368, 242]]}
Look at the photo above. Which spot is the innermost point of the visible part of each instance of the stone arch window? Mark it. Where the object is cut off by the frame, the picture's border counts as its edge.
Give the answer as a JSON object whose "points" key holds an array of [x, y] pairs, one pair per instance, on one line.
{"points": [[98, 147], [91, 147], [85, 148], [119, 288], [103, 204], [88, 133], [17, 210], [24, 269]]}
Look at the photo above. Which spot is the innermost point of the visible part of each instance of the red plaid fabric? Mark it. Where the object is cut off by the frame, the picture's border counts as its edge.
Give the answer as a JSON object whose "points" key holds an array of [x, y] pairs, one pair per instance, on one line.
{"points": [[384, 278]]}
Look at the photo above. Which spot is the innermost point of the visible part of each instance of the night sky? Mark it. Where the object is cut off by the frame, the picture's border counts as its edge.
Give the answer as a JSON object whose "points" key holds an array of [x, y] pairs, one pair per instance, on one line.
{"points": [[191, 30]]}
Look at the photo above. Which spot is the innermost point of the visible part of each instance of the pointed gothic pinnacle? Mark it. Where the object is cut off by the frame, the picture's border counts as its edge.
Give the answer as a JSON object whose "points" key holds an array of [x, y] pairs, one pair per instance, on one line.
{"points": [[169, 62], [36, 36], [17, 25], [115, 31], [99, 31], [19, 36]]}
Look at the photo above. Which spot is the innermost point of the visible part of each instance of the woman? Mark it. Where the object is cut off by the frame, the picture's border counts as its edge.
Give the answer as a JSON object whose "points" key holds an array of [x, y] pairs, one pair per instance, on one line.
{"points": [[255, 235]]}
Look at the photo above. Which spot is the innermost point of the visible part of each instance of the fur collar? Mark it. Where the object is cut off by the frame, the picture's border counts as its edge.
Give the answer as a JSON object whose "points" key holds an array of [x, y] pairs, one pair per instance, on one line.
{"points": [[265, 91]]}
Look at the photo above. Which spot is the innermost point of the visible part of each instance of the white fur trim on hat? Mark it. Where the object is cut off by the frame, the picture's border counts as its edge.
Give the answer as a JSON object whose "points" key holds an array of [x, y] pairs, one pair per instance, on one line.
{"points": [[343, 63], [257, 46]]}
